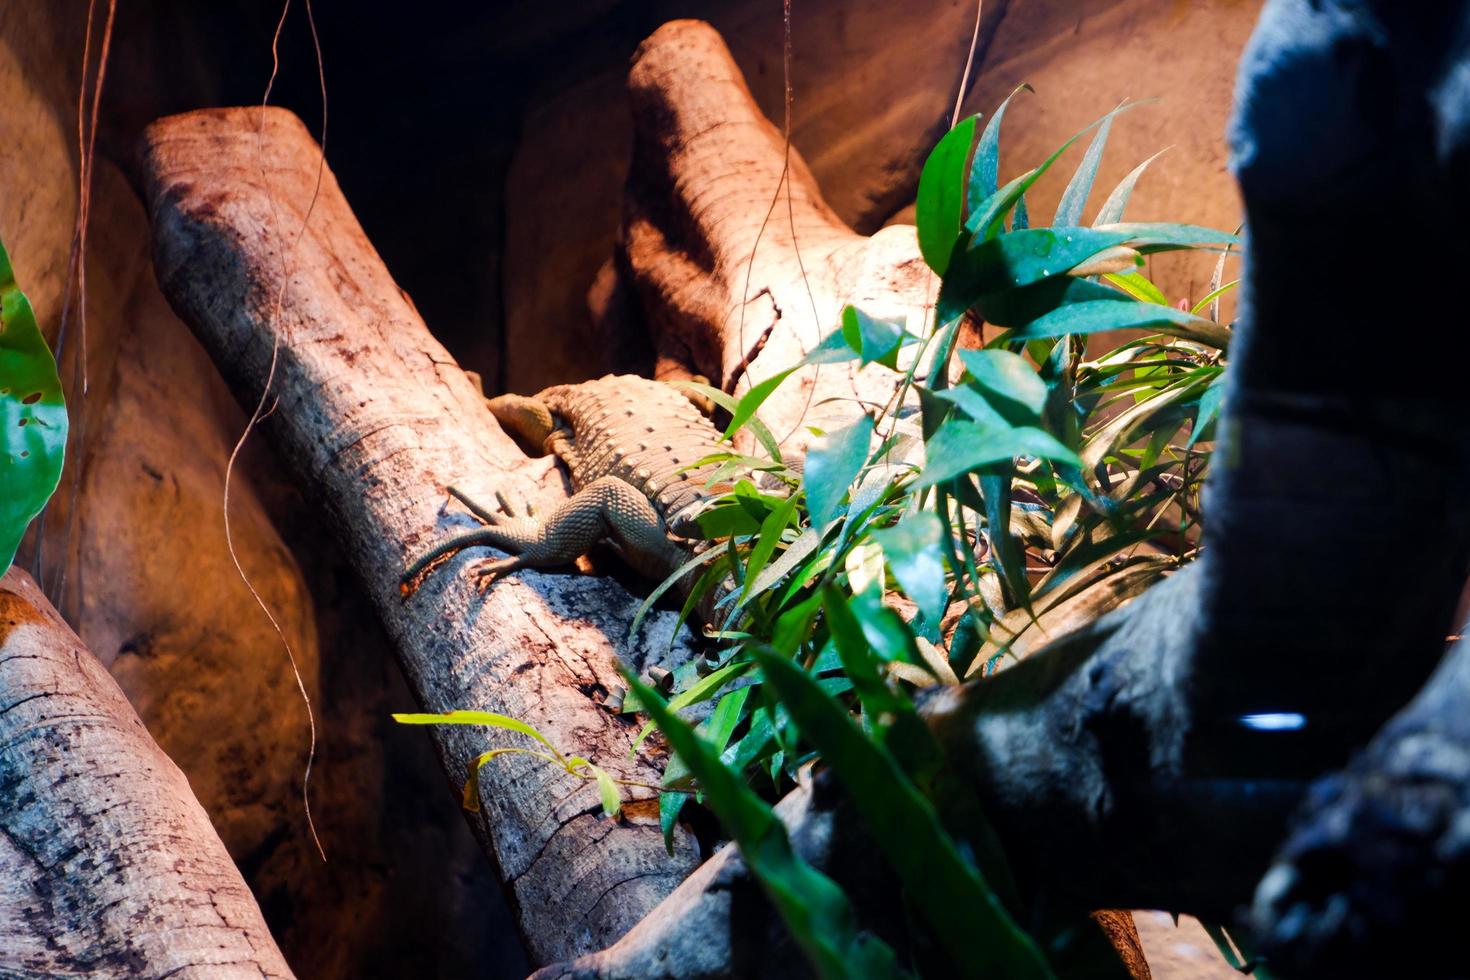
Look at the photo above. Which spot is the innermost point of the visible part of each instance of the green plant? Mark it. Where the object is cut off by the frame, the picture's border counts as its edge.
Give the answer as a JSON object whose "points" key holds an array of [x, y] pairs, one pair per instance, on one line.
{"points": [[930, 541], [32, 416], [943, 533]]}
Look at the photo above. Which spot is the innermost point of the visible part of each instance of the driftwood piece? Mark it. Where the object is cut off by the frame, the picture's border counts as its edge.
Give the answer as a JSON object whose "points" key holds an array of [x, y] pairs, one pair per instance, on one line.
{"points": [[108, 864], [376, 419], [702, 198]]}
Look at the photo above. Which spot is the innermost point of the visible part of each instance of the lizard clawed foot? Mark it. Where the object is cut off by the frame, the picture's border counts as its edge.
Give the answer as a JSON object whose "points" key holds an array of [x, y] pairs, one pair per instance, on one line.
{"points": [[486, 572], [485, 514]]}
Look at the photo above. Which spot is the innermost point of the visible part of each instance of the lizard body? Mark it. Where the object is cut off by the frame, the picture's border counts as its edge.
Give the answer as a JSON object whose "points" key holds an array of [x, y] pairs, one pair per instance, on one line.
{"points": [[625, 441]]}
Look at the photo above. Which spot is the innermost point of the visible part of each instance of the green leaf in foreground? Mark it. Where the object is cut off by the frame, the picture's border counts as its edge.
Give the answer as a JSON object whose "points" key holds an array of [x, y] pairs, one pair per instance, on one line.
{"points": [[966, 917], [832, 463], [961, 446], [941, 198], [912, 548], [1091, 317], [812, 905], [32, 416]]}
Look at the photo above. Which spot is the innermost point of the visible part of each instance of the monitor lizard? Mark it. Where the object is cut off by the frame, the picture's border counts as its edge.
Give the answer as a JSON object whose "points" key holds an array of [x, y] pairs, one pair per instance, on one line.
{"points": [[628, 444]]}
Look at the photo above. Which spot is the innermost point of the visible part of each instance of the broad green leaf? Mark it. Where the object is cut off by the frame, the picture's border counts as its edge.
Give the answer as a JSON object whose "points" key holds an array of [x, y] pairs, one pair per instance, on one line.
{"points": [[912, 547], [967, 920], [1007, 381], [1016, 259], [1112, 209], [961, 446], [1091, 317], [1011, 307], [813, 907], [832, 463], [864, 567], [1007, 554], [32, 416], [1074, 198], [876, 341], [884, 629], [725, 520], [940, 205]]}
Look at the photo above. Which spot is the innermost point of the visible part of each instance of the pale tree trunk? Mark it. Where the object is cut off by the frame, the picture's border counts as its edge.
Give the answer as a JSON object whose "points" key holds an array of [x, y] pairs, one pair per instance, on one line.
{"points": [[376, 420], [108, 864]]}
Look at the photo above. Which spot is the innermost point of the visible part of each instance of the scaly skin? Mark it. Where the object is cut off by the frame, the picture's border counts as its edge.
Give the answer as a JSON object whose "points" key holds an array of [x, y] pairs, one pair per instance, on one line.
{"points": [[624, 440]]}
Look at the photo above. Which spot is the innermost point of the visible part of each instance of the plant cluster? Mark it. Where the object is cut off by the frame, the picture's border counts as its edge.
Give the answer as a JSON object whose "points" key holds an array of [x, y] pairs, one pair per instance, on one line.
{"points": [[991, 505]]}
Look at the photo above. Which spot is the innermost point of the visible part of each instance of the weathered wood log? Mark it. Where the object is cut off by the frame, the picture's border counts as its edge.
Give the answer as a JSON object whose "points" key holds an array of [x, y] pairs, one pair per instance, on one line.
{"points": [[706, 236], [108, 864], [376, 419]]}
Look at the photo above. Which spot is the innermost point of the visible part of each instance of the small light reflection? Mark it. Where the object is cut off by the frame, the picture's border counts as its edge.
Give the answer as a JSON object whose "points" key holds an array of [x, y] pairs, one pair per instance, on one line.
{"points": [[1275, 721]]}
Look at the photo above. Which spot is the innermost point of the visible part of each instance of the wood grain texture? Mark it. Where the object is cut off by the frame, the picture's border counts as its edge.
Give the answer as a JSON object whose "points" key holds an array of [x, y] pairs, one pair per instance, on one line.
{"points": [[108, 864], [705, 235], [376, 419]]}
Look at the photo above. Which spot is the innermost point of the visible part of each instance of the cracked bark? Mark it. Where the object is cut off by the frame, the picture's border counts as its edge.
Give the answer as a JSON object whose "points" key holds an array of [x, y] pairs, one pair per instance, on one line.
{"points": [[376, 420], [108, 864]]}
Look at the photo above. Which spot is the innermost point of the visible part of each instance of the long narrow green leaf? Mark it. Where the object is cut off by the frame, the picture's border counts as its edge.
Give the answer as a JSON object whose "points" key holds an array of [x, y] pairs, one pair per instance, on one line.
{"points": [[1112, 209], [1139, 287], [1091, 317], [1074, 198], [813, 906], [985, 170], [704, 689], [967, 919], [986, 218], [489, 718]]}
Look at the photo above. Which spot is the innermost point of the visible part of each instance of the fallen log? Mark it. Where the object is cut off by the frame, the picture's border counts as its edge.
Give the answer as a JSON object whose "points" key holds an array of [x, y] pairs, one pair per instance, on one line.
{"points": [[735, 280], [376, 419], [108, 864]]}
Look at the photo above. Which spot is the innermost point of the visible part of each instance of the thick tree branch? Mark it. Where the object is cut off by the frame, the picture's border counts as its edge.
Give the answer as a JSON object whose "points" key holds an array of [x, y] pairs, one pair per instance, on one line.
{"points": [[702, 200], [108, 865], [376, 419]]}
